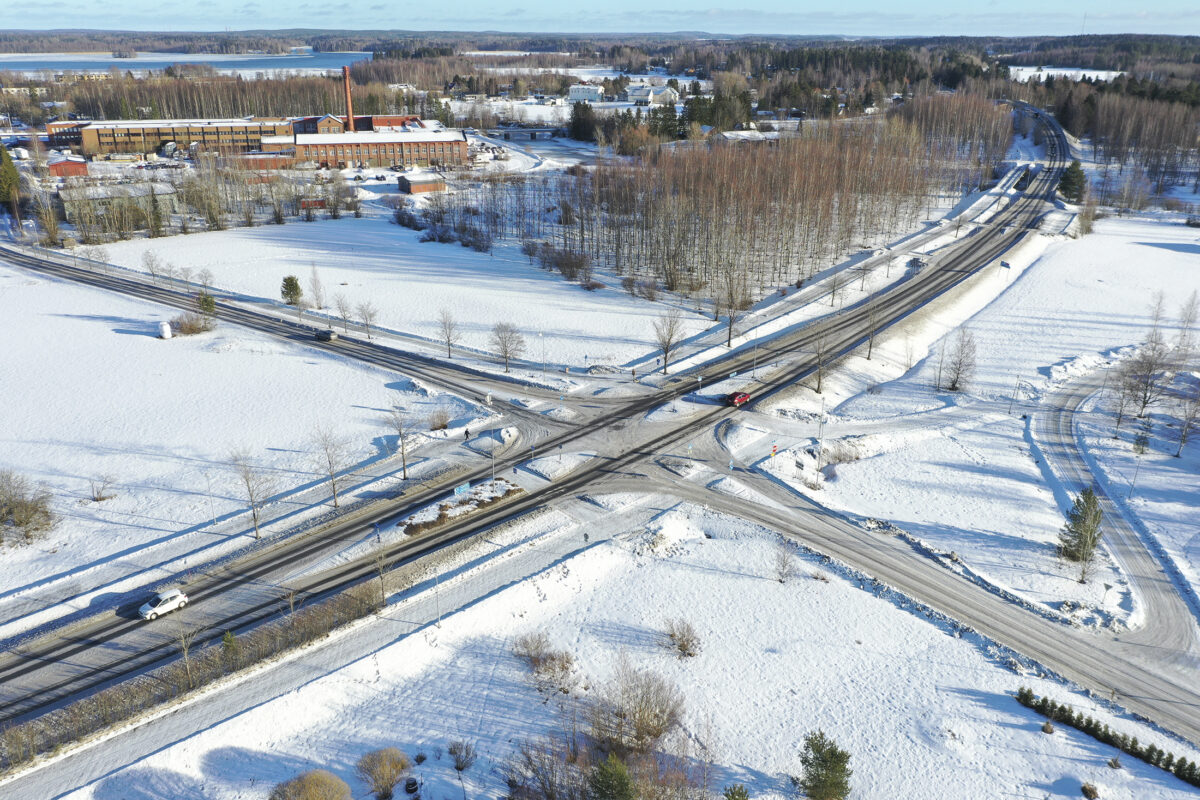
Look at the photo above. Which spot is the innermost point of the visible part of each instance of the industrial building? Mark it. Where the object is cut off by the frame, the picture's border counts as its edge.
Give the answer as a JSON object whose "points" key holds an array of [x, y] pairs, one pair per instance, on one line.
{"points": [[327, 141]]}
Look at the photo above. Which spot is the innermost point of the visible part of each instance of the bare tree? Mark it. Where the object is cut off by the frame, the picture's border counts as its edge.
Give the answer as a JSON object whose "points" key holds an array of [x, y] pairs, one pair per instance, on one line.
{"points": [[302, 305], [836, 281], [1188, 405], [872, 324], [785, 564], [256, 485], [344, 310], [406, 434], [332, 454], [205, 276], [367, 312], [464, 756], [449, 329], [821, 351], [101, 488], [1145, 372], [1124, 390], [185, 640], [1185, 341], [382, 565], [961, 366], [316, 289], [668, 333], [507, 341], [152, 264]]}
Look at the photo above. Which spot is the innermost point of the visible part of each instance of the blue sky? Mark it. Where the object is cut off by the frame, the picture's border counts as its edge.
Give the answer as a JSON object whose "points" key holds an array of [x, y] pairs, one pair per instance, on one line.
{"points": [[862, 17]]}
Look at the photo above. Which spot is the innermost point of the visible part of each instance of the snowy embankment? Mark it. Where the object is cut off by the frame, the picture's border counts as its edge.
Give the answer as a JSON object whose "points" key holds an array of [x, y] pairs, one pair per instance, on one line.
{"points": [[104, 405], [962, 471], [773, 663]]}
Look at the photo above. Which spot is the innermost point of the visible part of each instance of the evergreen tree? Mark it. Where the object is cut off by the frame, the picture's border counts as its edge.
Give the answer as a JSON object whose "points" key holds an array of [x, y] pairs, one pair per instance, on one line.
{"points": [[826, 768], [1079, 537], [735, 791], [290, 290], [610, 780], [583, 122], [154, 218], [206, 305], [1073, 185], [10, 184]]}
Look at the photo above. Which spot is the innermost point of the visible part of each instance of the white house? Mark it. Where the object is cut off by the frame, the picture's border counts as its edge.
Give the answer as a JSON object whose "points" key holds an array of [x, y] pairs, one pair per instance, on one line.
{"points": [[652, 95], [582, 92]]}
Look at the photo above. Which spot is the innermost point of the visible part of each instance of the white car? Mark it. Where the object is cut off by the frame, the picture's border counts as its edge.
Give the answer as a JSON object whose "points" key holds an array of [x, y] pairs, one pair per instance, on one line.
{"points": [[163, 603]]}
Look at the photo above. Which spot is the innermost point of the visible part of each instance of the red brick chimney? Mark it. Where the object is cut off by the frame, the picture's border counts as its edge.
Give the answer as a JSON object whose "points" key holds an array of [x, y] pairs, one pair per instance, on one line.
{"points": [[349, 102]]}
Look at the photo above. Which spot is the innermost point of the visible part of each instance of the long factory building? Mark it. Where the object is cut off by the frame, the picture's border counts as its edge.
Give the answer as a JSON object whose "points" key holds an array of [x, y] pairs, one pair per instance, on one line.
{"points": [[325, 141]]}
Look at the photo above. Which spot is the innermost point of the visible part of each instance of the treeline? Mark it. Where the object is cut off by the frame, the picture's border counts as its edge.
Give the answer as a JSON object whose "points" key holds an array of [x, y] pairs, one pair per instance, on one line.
{"points": [[1125, 51], [1155, 136], [727, 221], [125, 41], [233, 97]]}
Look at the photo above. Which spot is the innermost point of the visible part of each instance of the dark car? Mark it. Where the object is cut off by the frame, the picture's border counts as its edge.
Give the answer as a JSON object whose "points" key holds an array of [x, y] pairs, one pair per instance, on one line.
{"points": [[326, 335], [737, 399]]}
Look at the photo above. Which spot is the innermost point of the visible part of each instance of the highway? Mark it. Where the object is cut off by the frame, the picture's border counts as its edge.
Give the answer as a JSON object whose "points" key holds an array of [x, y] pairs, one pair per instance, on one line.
{"points": [[48, 672]]}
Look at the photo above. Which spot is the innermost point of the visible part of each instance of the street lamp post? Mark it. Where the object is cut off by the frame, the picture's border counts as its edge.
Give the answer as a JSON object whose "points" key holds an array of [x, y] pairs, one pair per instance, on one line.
{"points": [[754, 370], [542, 339], [493, 450]]}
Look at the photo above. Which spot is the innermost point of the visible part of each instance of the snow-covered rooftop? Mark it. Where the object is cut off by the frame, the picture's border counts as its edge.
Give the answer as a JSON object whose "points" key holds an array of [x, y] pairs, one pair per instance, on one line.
{"points": [[369, 137]]}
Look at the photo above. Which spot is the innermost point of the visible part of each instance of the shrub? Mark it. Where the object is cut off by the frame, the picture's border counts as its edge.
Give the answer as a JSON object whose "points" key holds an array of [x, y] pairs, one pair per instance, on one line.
{"points": [[682, 637], [406, 218], [635, 711], [1089, 791], [382, 770], [24, 507], [439, 419], [610, 780], [1047, 727], [592, 285], [317, 784], [1114, 762], [553, 670], [191, 323]]}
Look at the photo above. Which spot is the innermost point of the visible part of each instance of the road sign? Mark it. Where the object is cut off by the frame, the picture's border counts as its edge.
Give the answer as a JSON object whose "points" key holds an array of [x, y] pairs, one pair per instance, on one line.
{"points": [[462, 489]]}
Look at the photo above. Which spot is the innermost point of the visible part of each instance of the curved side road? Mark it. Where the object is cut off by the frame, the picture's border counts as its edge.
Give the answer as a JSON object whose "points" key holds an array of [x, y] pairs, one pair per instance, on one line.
{"points": [[1170, 620]]}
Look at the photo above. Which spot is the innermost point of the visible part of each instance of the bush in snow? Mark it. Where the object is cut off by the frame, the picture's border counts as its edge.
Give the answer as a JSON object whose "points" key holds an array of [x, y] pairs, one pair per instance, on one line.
{"points": [[1090, 791], [439, 419], [553, 670], [382, 770], [682, 637], [317, 784], [635, 711], [24, 508], [407, 218]]}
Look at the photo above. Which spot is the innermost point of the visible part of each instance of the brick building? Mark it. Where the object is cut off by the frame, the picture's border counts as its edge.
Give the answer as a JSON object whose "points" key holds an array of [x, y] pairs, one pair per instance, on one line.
{"points": [[148, 136], [376, 148]]}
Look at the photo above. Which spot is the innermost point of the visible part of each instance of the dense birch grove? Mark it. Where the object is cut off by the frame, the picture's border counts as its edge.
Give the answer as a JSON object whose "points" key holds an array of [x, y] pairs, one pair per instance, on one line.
{"points": [[728, 222]]}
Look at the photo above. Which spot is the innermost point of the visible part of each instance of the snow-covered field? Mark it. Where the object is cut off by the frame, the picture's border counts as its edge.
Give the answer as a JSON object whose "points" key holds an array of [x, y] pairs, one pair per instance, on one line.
{"points": [[961, 471], [410, 281], [925, 714], [91, 392]]}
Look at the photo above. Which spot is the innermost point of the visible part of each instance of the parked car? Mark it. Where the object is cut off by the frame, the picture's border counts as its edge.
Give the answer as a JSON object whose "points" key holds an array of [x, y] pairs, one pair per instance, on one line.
{"points": [[163, 603], [326, 335], [737, 399]]}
